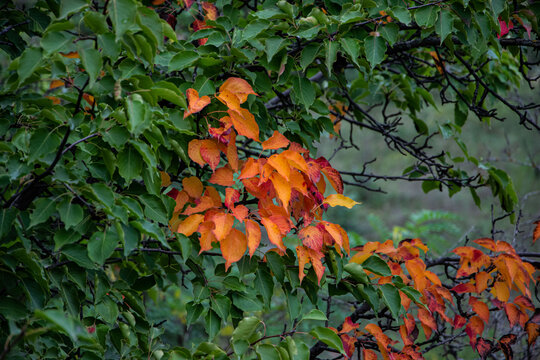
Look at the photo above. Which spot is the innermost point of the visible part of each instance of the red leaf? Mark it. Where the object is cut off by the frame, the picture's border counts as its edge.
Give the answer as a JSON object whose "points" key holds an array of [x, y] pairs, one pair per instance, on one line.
{"points": [[348, 325], [210, 153], [312, 237], [231, 197], [533, 331], [349, 343], [484, 347]]}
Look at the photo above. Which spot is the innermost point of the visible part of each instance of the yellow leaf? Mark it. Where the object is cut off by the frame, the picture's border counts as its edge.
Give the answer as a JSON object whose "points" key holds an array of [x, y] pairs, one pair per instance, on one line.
{"points": [[340, 200]]}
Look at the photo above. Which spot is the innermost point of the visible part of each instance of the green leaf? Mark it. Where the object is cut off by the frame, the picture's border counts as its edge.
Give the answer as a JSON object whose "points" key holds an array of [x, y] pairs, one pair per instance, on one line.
{"points": [[79, 255], [182, 60], [28, 62], [357, 271], [331, 49], [129, 164], [221, 305], [12, 309], [63, 237], [104, 194], [92, 62], [96, 22], [314, 314], [169, 92], [391, 298], [139, 115], [213, 324], [193, 312], [402, 14], [276, 264], [71, 214], [102, 244], [375, 48], [254, 28], [268, 352], [390, 32], [309, 54], [328, 337], [44, 208], [264, 283], [426, 16], [377, 265], [146, 153], [444, 25], [273, 45], [60, 320], [123, 14], [6, 220], [54, 41], [246, 302], [42, 143], [68, 7], [352, 48], [246, 327], [303, 91]]}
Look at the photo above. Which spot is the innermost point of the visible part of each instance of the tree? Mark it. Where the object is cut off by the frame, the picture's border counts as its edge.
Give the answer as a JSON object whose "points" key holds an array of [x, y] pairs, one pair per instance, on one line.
{"points": [[148, 144]]}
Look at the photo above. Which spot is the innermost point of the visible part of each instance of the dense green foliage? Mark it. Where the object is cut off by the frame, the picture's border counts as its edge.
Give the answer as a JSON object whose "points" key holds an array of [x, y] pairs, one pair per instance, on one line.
{"points": [[91, 111]]}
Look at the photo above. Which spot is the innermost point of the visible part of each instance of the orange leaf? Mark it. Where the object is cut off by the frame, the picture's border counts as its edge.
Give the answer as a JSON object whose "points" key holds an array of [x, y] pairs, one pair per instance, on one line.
{"points": [[486, 242], [193, 186], [536, 232], [158, 2], [482, 279], [281, 164], [54, 99], [480, 308], [512, 313], [210, 153], [238, 87], [190, 224], [306, 255], [334, 178], [211, 10], [165, 179], [181, 199], [195, 104], [203, 204], [233, 247], [277, 141], [207, 236], [474, 328], [378, 334], [348, 325], [250, 169], [194, 152], [244, 123], [426, 318], [240, 212], [340, 200], [501, 291], [71, 55], [232, 152], [89, 99], [222, 176], [224, 223], [56, 83], [274, 234], [368, 354], [253, 232], [312, 237], [283, 189], [229, 99], [533, 331], [231, 197], [335, 231]]}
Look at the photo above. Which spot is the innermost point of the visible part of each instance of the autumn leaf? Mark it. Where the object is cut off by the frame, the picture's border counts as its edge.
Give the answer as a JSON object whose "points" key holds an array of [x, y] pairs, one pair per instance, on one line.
{"points": [[274, 234], [224, 223], [210, 10], [244, 123], [210, 153], [276, 141], [194, 152], [195, 104], [190, 224], [223, 176], [253, 232], [233, 247], [238, 87], [536, 232], [193, 186], [340, 200]]}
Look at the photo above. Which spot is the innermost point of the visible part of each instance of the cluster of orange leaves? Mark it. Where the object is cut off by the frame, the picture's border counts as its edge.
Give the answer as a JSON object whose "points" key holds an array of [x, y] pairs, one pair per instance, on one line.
{"points": [[287, 185], [490, 278]]}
